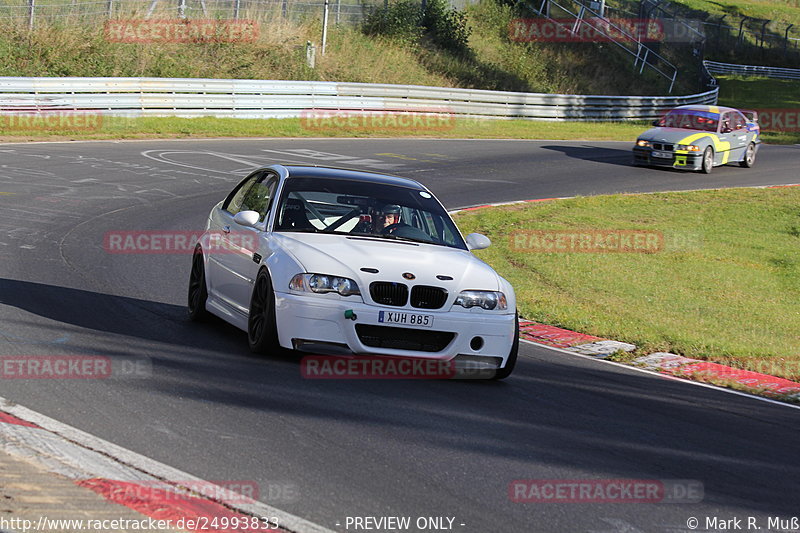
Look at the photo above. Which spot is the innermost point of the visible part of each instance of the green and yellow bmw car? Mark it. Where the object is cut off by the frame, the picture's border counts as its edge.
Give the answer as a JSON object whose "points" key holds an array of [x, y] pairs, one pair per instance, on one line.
{"points": [[700, 137]]}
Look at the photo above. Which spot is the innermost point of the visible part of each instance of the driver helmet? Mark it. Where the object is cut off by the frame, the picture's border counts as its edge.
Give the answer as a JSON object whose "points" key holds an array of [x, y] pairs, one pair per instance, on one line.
{"points": [[391, 209], [384, 212]]}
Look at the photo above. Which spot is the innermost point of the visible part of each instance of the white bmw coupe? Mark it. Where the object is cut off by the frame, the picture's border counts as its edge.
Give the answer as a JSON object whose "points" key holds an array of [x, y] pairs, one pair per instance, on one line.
{"points": [[334, 261]]}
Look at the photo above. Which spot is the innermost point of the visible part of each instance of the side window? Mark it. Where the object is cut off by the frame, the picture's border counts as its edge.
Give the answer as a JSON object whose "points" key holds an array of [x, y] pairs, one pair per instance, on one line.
{"points": [[739, 123], [725, 123], [233, 204], [257, 198]]}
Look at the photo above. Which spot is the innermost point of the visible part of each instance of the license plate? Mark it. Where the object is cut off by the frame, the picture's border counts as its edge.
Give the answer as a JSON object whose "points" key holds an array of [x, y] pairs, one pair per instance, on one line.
{"points": [[661, 155], [405, 319]]}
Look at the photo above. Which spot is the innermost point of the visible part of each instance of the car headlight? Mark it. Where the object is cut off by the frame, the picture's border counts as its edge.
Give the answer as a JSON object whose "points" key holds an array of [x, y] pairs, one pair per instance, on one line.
{"points": [[324, 283], [485, 299], [689, 147], [642, 142]]}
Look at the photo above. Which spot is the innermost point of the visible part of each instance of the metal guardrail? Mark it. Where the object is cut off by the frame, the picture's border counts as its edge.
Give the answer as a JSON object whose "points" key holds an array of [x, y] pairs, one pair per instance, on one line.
{"points": [[752, 70], [282, 99]]}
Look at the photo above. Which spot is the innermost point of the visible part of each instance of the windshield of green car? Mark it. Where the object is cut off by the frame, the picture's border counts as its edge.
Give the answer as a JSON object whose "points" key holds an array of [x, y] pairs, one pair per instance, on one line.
{"points": [[689, 119]]}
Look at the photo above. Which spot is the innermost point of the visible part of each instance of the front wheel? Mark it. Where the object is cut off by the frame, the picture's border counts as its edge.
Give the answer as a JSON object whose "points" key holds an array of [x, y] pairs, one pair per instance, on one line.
{"points": [[262, 332], [749, 156], [503, 373], [708, 160], [198, 292]]}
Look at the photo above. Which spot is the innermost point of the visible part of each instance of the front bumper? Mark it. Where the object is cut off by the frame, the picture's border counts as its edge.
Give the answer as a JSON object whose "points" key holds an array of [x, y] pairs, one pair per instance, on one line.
{"points": [[315, 321], [680, 159]]}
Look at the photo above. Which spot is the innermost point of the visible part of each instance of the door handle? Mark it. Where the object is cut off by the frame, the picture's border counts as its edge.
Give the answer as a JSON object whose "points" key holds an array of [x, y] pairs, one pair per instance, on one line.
{"points": [[226, 229]]}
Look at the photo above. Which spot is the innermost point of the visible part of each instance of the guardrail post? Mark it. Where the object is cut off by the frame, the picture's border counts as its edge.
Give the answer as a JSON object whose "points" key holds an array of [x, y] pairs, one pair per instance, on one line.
{"points": [[30, 13], [182, 9], [236, 6], [786, 38], [325, 25], [741, 31], [763, 30], [109, 8], [311, 54], [285, 9]]}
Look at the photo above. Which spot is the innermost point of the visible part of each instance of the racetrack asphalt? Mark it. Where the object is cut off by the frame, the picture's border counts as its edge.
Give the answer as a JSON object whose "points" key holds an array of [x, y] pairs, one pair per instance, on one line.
{"points": [[362, 448]]}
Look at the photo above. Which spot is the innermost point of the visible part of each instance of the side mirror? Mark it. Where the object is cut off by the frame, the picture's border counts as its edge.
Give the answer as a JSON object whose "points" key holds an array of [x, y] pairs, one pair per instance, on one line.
{"points": [[655, 122], [476, 241], [247, 218]]}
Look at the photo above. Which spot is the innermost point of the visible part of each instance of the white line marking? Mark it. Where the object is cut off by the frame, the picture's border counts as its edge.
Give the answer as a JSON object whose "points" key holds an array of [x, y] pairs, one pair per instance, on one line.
{"points": [[337, 158], [77, 451]]}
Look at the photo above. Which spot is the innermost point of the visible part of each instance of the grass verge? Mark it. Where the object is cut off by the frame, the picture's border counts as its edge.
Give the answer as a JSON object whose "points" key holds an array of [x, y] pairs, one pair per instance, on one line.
{"points": [[725, 286], [764, 93], [204, 127], [80, 47], [171, 127], [787, 11], [757, 93]]}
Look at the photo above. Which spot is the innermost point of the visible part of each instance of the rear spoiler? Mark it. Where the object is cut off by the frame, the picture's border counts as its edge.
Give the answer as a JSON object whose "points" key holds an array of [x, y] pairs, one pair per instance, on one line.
{"points": [[750, 115]]}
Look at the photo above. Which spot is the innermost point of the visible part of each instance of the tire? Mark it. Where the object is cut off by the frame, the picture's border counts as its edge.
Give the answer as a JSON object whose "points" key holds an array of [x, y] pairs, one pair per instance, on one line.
{"points": [[503, 373], [262, 333], [708, 160], [198, 292], [749, 156]]}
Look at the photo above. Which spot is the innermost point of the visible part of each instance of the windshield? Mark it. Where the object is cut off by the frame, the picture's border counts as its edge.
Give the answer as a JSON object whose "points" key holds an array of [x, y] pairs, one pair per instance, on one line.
{"points": [[690, 120], [365, 209]]}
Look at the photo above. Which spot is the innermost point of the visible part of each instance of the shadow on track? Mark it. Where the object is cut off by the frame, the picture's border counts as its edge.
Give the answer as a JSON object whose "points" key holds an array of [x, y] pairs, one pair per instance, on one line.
{"points": [[610, 156], [554, 411]]}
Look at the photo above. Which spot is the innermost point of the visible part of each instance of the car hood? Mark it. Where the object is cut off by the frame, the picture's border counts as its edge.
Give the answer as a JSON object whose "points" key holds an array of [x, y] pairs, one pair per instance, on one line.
{"points": [[343, 255], [669, 135]]}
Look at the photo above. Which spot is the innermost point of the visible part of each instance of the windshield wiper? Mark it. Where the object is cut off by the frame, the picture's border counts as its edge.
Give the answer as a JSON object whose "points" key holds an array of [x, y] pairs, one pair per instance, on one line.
{"points": [[408, 239], [399, 238], [373, 237]]}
